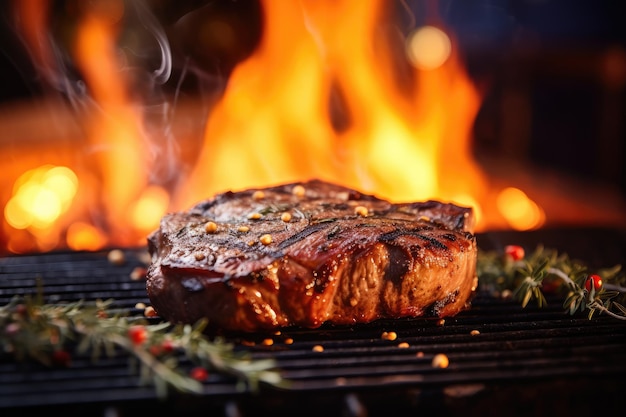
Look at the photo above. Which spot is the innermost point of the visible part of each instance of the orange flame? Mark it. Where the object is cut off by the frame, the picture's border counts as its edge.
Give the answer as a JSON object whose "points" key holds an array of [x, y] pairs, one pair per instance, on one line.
{"points": [[276, 123], [116, 129], [329, 93]]}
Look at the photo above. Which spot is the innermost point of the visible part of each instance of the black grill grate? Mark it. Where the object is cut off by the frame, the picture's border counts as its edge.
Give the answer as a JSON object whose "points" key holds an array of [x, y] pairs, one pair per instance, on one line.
{"points": [[516, 352]]}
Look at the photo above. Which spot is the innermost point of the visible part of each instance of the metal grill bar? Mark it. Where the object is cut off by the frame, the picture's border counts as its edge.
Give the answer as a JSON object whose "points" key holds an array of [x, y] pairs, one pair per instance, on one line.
{"points": [[514, 346]]}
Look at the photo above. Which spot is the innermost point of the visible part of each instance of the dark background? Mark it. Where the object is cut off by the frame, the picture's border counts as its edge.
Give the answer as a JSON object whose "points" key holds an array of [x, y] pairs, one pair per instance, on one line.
{"points": [[553, 71]]}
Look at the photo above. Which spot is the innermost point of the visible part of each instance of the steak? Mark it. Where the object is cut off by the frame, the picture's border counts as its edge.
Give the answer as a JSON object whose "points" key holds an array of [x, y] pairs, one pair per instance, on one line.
{"points": [[304, 254]]}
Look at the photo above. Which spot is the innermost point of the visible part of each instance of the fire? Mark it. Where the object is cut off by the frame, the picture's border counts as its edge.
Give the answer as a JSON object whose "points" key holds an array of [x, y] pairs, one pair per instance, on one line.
{"points": [[116, 129], [40, 197], [520, 211], [329, 93], [277, 121]]}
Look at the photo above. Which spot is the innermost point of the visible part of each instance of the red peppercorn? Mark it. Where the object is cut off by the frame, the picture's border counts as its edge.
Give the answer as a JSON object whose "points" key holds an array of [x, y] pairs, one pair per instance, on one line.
{"points": [[137, 334], [515, 252], [595, 280], [199, 374]]}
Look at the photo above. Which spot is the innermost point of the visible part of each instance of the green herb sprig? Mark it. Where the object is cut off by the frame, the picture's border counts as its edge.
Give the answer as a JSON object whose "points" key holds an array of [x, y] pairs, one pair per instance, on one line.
{"points": [[32, 329], [548, 271]]}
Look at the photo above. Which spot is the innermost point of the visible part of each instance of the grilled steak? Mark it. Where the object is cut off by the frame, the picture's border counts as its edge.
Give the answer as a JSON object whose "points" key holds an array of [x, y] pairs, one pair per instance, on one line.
{"points": [[304, 254]]}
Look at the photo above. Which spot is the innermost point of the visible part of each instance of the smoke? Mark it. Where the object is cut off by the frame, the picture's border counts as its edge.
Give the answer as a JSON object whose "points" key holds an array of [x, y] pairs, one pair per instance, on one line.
{"points": [[161, 74], [156, 77]]}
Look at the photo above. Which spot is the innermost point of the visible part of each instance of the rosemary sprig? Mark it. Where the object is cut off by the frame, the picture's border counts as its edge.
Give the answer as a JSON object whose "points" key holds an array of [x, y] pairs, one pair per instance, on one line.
{"points": [[547, 271], [30, 328]]}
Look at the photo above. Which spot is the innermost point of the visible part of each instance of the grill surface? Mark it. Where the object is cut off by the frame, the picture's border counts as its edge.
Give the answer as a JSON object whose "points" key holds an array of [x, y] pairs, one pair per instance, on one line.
{"points": [[527, 361]]}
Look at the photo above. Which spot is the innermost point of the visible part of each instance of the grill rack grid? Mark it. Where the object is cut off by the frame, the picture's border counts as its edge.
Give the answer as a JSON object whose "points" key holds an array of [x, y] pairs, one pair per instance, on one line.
{"points": [[516, 352]]}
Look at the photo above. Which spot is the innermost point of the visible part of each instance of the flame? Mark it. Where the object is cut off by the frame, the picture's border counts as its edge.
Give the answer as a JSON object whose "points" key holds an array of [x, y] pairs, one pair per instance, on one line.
{"points": [[329, 93], [521, 212], [116, 129], [84, 236], [277, 123], [40, 196]]}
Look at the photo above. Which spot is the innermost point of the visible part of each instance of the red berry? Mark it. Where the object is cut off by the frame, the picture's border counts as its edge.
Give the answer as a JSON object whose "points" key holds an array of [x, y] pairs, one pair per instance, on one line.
{"points": [[137, 334], [12, 329], [595, 280], [156, 350], [61, 358], [199, 374], [550, 285], [515, 252], [167, 346], [21, 309]]}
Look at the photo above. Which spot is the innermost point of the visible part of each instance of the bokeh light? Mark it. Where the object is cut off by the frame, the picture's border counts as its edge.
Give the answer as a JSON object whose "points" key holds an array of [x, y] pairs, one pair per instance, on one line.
{"points": [[521, 212], [40, 197], [428, 47]]}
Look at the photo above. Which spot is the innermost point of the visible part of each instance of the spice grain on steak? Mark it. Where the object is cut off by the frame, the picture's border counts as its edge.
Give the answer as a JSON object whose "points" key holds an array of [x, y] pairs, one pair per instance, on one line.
{"points": [[341, 256]]}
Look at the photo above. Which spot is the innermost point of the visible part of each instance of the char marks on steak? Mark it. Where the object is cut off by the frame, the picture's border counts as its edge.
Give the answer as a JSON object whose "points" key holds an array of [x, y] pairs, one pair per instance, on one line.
{"points": [[339, 256]]}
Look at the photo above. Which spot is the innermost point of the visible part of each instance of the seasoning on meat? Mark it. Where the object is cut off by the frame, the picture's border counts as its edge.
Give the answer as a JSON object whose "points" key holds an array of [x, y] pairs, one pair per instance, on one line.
{"points": [[343, 257]]}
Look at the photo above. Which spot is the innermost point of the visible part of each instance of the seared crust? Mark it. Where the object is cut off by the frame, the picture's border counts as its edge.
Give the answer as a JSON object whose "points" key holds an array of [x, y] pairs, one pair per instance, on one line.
{"points": [[342, 257]]}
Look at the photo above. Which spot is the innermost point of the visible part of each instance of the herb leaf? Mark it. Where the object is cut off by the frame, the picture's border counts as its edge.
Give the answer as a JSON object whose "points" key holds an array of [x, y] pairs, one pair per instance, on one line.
{"points": [[31, 329], [547, 270]]}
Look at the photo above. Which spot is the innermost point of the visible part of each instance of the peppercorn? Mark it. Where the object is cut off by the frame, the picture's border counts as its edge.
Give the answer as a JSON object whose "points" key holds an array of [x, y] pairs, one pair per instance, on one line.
{"points": [[361, 211], [440, 361], [389, 336], [266, 239], [116, 257], [298, 191], [210, 227]]}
